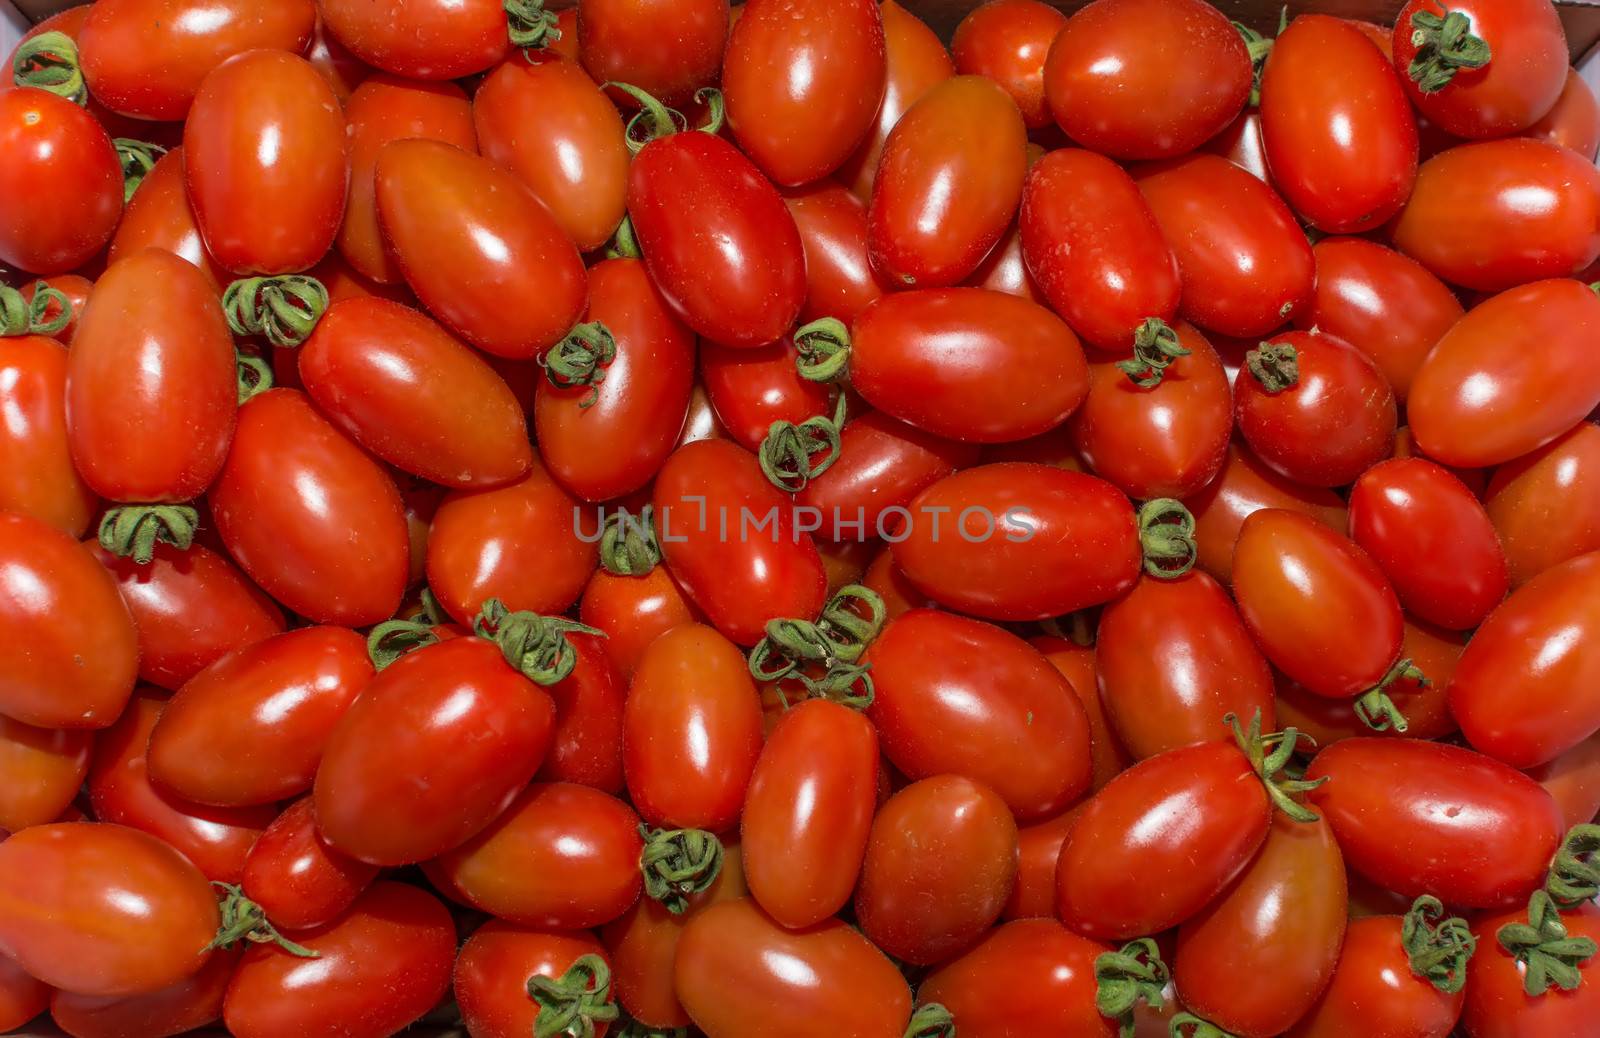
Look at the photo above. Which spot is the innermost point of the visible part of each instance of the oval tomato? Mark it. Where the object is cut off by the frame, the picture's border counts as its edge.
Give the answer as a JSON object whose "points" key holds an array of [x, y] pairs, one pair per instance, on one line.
{"points": [[39, 478], [752, 387], [59, 159], [633, 611], [1053, 970], [1498, 1003], [159, 217], [667, 48], [587, 748], [832, 222], [1008, 41], [916, 62], [496, 966], [297, 879], [1246, 486], [1574, 121], [1374, 986], [882, 465], [1076, 662], [421, 39], [1545, 505], [41, 770], [192, 1002]]}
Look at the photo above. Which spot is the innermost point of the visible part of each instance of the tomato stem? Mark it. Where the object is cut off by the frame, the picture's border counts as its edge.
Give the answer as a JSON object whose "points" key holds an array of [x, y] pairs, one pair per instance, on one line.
{"points": [[1575, 872], [19, 316], [49, 61], [631, 1028], [1155, 347], [716, 109], [574, 1002], [392, 639], [1374, 707], [1166, 535], [931, 1020], [1276, 365], [579, 359], [254, 375], [244, 920], [1269, 754], [1549, 956], [132, 531], [1127, 977], [835, 643], [1187, 1024], [283, 309], [653, 119], [1258, 47], [1445, 45], [138, 158], [678, 864], [529, 25], [628, 545], [623, 244], [1437, 948], [788, 455], [536, 646], [824, 348]]}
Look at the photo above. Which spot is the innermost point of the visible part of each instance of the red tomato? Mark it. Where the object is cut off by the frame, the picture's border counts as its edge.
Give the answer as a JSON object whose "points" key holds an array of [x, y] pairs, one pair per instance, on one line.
{"points": [[1426, 818], [577, 162], [1094, 247], [75, 288], [1146, 79], [396, 939], [1076, 662], [333, 60], [421, 39], [386, 108], [1509, 377], [455, 712], [309, 516], [1383, 303], [948, 184], [734, 965], [1545, 505], [1339, 135], [667, 48], [1007, 41], [562, 856], [750, 388], [1246, 264], [55, 674], [1501, 213], [962, 697], [804, 79], [496, 966], [1574, 780], [179, 1008], [77, 904], [38, 478], [832, 222], [587, 748], [1519, 78], [1375, 990], [265, 160], [633, 611], [1245, 486], [1050, 971], [1574, 121], [689, 188], [1004, 269], [1240, 143], [296, 878], [159, 217], [1038, 849], [41, 770], [883, 464], [1498, 1004], [501, 273], [57, 157]]}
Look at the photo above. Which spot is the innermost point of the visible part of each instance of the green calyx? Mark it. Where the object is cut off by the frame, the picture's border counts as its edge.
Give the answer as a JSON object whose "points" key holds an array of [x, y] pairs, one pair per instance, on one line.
{"points": [[580, 359], [1187, 1025], [1259, 47], [1166, 535], [1127, 977], [631, 1028], [46, 313], [49, 61], [1575, 872], [137, 158], [284, 309], [392, 639], [1445, 45], [1155, 347], [824, 348], [1276, 365], [132, 531], [1269, 754], [716, 109], [1549, 956], [652, 121], [529, 25], [624, 244], [1374, 707], [1437, 948], [678, 864], [254, 375], [535, 646], [628, 545], [794, 454], [244, 920], [833, 644], [931, 1020], [571, 1005]]}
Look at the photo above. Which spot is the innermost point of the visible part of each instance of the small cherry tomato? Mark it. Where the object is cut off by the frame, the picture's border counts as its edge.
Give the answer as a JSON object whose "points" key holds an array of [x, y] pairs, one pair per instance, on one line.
{"points": [[1008, 41], [1051, 972], [1375, 988], [1545, 505], [633, 611], [667, 48], [41, 770], [1498, 1001], [1574, 121], [179, 1008], [159, 217], [495, 967], [421, 39], [296, 878], [59, 160], [38, 478]]}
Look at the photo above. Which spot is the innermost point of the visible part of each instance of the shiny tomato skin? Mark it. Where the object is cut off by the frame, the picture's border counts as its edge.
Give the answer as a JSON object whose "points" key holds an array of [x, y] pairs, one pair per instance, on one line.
{"points": [[59, 159], [421, 39], [455, 712], [334, 547], [690, 188], [1050, 542], [77, 902], [501, 274], [577, 162], [494, 967], [1574, 780], [832, 222], [1008, 41], [587, 748], [174, 378], [1526, 70], [250, 728], [265, 160], [752, 387], [1382, 302], [1545, 505], [297, 879], [1574, 121], [948, 184], [1496, 214], [159, 216], [1498, 1006], [614, 444], [883, 464], [633, 611], [55, 674], [668, 48], [387, 108], [1528, 687], [1240, 143], [1004, 269], [1160, 842], [1339, 135], [1245, 933], [396, 939], [968, 364], [1509, 377], [414, 395], [1373, 990], [1395, 803], [179, 1008], [39, 479], [1052, 969], [962, 697], [803, 80], [562, 856], [1146, 79], [1246, 485], [41, 770], [1094, 248], [1076, 662], [730, 972], [1033, 894]]}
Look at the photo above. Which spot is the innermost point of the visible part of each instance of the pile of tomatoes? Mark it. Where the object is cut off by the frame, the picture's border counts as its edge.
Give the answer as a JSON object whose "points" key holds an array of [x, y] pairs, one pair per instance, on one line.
{"points": [[656, 519]]}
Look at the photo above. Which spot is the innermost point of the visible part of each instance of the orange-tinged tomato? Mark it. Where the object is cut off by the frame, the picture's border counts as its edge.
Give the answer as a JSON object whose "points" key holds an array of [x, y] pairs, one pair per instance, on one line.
{"points": [[633, 611], [1574, 121], [1545, 505], [41, 770], [916, 62], [38, 478], [1007, 41], [1245, 486], [421, 39], [159, 217]]}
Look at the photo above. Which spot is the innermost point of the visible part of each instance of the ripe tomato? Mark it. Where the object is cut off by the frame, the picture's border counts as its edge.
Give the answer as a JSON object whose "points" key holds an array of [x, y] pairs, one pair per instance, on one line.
{"points": [[77, 904], [1246, 486], [1240, 143], [916, 62], [396, 939], [1375, 988], [751, 388], [883, 464], [1574, 121], [577, 163], [41, 770], [59, 159], [55, 674], [1008, 41], [1545, 505], [1245, 263], [265, 160], [421, 39], [961, 697], [691, 731], [1033, 894], [39, 479], [562, 856], [1574, 780], [948, 184], [633, 611], [1498, 1004], [296, 878], [832, 222], [1076, 662], [501, 274], [667, 48], [191, 1003], [1339, 135], [587, 748], [1426, 818], [1509, 377], [309, 516], [734, 965], [1501, 213], [387, 108], [1004, 269], [75, 288], [496, 966], [1146, 79], [1052, 970], [159, 217]]}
